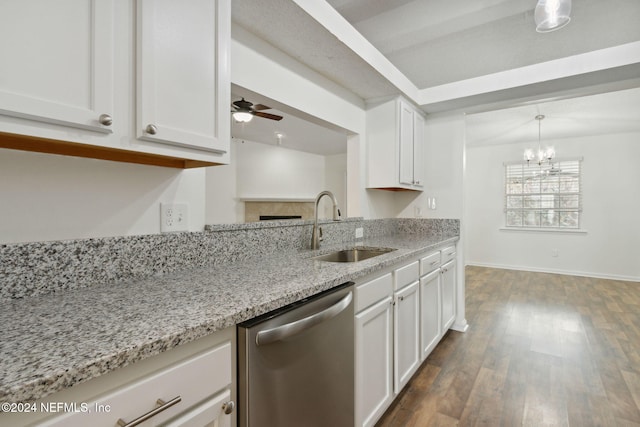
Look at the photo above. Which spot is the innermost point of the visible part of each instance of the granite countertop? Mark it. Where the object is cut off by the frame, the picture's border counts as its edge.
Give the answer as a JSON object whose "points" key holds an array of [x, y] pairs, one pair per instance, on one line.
{"points": [[54, 341]]}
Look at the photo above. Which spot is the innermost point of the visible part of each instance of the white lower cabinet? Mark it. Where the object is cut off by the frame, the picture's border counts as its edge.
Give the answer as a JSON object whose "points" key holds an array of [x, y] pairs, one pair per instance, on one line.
{"points": [[210, 413], [374, 352], [406, 335], [448, 272], [191, 385], [401, 315], [430, 313]]}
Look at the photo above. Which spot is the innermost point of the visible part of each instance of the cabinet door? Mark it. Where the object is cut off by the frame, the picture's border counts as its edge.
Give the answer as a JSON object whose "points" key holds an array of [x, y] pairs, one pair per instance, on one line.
{"points": [[374, 362], [406, 143], [193, 380], [210, 413], [406, 330], [430, 307], [183, 73], [448, 272], [57, 61], [418, 150]]}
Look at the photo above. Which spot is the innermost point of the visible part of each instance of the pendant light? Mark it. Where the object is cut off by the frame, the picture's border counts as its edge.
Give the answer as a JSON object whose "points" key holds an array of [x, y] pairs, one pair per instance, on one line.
{"points": [[551, 15], [542, 155]]}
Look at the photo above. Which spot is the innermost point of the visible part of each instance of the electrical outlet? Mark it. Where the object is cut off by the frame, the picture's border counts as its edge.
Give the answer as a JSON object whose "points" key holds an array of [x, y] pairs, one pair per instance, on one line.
{"points": [[359, 233], [174, 217], [555, 253], [417, 210]]}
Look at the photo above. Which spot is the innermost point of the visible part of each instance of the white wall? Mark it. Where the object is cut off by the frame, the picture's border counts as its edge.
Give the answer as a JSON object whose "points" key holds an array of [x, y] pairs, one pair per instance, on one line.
{"points": [[444, 171], [335, 180], [221, 203], [270, 171], [50, 197], [611, 178]]}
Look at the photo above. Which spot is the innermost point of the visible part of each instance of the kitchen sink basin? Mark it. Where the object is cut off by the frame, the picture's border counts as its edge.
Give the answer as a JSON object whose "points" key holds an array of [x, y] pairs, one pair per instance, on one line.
{"points": [[353, 254]]}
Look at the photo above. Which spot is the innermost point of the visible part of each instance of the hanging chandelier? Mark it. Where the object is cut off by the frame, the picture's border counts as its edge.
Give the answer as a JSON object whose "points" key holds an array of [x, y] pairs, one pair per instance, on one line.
{"points": [[541, 155]]}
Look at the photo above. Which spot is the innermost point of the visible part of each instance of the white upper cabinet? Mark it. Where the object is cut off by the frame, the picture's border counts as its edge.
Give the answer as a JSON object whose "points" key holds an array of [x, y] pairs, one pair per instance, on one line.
{"points": [[406, 143], [57, 62], [418, 150], [183, 90], [143, 82], [395, 135]]}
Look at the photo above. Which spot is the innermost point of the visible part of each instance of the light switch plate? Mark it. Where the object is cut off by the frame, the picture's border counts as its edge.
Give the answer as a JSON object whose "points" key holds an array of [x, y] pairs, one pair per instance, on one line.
{"points": [[359, 233], [174, 217]]}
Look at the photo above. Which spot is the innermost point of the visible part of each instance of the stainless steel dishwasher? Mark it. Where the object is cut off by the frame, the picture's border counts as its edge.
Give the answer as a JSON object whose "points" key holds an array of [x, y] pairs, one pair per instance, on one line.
{"points": [[296, 364]]}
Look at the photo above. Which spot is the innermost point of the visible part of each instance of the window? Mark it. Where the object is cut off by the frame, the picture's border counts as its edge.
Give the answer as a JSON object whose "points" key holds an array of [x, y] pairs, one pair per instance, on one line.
{"points": [[545, 197]]}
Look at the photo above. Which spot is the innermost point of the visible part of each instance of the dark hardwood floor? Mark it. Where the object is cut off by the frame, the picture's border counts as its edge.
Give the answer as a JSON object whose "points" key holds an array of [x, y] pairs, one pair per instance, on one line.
{"points": [[541, 350]]}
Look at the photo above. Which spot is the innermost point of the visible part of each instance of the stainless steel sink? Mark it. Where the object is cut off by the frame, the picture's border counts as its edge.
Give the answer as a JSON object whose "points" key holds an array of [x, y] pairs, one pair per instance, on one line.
{"points": [[353, 254]]}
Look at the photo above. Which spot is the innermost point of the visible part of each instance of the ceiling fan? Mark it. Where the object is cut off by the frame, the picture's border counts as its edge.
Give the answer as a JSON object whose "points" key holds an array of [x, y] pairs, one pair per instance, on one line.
{"points": [[245, 110]]}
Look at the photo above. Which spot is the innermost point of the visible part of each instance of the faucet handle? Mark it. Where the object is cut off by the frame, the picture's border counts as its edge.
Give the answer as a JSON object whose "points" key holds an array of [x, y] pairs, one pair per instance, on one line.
{"points": [[320, 234]]}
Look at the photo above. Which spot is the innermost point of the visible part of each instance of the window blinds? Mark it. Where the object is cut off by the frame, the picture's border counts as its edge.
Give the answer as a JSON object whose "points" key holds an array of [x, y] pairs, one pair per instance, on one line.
{"points": [[546, 196]]}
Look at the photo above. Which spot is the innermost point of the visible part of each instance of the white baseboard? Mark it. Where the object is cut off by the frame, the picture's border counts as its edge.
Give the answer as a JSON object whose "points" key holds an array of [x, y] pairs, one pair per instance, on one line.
{"points": [[460, 327], [553, 271]]}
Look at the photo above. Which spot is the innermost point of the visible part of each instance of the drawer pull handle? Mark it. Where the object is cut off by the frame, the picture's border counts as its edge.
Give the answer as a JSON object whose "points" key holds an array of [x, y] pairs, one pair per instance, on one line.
{"points": [[142, 418], [434, 262]]}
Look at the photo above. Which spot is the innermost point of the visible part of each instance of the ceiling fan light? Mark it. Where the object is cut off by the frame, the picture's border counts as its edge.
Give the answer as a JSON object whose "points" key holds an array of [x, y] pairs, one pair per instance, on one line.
{"points": [[551, 15], [242, 116]]}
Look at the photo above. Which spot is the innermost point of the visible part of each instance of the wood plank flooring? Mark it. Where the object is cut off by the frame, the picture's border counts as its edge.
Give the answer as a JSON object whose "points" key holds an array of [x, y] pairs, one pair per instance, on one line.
{"points": [[541, 350]]}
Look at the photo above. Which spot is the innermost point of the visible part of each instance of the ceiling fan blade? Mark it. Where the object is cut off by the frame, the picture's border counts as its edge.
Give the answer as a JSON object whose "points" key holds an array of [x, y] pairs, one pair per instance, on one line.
{"points": [[267, 115], [259, 107]]}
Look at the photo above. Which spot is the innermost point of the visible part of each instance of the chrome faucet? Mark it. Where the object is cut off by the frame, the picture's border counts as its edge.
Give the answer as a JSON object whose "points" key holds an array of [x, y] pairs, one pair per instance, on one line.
{"points": [[316, 235]]}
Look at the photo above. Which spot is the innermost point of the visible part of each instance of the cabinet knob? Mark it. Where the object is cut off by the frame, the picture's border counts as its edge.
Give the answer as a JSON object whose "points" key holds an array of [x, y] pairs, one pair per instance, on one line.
{"points": [[228, 407], [105, 119], [151, 129]]}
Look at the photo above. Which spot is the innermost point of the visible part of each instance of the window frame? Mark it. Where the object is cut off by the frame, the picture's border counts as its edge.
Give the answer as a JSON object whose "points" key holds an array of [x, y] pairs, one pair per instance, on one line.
{"points": [[556, 205]]}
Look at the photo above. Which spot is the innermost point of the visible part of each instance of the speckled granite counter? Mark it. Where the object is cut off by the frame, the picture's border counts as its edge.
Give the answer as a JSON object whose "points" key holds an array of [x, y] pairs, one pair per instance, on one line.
{"points": [[53, 341]]}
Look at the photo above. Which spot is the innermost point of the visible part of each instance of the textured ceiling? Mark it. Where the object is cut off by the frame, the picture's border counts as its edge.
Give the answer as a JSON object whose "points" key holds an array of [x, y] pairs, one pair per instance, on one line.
{"points": [[442, 41], [284, 25]]}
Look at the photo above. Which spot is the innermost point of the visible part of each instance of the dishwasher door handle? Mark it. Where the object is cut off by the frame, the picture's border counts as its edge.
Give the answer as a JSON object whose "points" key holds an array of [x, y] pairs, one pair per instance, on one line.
{"points": [[287, 330]]}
